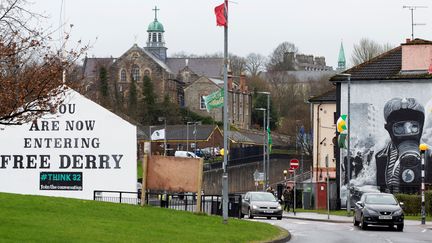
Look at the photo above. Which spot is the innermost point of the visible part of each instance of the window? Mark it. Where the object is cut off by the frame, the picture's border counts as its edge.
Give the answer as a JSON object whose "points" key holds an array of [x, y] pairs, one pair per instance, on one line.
{"points": [[135, 73], [160, 37], [149, 37], [241, 104], [147, 73], [202, 103], [234, 103], [154, 37], [123, 75]]}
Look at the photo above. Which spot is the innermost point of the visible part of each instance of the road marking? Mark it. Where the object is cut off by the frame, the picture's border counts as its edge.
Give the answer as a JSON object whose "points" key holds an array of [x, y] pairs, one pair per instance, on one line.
{"points": [[424, 230], [388, 240], [351, 229], [300, 223]]}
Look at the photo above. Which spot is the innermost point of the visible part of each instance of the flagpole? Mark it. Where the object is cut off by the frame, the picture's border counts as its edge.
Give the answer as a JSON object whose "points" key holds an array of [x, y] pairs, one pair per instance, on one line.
{"points": [[225, 121]]}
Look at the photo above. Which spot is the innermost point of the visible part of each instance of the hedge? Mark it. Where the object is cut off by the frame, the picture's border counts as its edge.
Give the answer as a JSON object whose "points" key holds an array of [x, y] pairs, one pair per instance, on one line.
{"points": [[412, 203]]}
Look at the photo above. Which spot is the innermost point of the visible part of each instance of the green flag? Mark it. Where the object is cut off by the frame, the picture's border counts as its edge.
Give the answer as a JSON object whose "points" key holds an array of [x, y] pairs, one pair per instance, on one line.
{"points": [[342, 141], [270, 141], [214, 100]]}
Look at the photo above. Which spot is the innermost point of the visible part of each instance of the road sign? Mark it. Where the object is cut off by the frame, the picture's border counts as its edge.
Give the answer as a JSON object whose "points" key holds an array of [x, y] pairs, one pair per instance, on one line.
{"points": [[258, 176], [291, 171], [294, 163]]}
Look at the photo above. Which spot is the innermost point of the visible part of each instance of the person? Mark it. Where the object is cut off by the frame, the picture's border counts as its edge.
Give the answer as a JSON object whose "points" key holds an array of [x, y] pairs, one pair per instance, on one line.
{"points": [[358, 164], [287, 198], [398, 163]]}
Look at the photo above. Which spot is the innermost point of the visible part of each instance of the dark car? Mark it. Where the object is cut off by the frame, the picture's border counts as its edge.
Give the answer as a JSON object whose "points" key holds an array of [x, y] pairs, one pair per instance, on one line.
{"points": [[378, 209], [261, 204]]}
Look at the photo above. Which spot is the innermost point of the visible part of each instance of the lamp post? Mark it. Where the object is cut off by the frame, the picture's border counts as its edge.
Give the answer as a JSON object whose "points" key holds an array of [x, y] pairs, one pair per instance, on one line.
{"points": [[423, 147], [264, 146], [285, 173], [348, 169], [267, 128], [187, 134], [162, 118]]}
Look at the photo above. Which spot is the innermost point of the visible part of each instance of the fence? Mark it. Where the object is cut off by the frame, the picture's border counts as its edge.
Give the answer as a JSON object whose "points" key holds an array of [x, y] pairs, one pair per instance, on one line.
{"points": [[210, 204]]}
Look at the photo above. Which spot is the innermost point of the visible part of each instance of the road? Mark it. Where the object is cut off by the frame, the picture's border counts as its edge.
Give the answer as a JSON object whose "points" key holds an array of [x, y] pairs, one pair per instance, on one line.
{"points": [[323, 232]]}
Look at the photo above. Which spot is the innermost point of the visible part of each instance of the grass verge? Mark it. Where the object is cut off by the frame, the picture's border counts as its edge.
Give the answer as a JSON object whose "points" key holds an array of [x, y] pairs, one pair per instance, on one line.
{"points": [[25, 218]]}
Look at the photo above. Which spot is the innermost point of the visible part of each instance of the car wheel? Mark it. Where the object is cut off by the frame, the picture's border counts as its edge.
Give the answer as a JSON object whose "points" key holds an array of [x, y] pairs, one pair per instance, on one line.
{"points": [[279, 218], [241, 215], [250, 214], [356, 223], [400, 227], [268, 217], [363, 224]]}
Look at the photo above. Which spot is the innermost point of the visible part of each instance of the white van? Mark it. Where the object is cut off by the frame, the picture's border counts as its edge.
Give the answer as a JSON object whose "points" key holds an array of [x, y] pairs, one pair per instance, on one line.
{"points": [[185, 154]]}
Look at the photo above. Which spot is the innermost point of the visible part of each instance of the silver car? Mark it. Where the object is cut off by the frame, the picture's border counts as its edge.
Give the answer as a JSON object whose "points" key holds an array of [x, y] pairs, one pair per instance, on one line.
{"points": [[261, 204]]}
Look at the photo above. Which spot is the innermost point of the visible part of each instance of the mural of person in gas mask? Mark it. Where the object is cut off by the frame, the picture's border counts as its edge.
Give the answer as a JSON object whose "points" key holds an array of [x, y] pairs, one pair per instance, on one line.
{"points": [[398, 164]]}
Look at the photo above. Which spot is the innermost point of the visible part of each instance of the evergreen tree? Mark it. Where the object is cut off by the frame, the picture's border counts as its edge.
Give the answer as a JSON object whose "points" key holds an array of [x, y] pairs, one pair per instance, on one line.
{"points": [[103, 86], [170, 110], [132, 99], [148, 109]]}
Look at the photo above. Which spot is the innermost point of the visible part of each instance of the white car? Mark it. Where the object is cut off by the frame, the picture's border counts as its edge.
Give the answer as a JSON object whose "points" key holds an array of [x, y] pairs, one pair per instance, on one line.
{"points": [[185, 154]]}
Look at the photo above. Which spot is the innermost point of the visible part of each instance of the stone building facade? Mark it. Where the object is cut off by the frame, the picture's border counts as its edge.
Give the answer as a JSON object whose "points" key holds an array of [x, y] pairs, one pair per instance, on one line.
{"points": [[239, 100]]}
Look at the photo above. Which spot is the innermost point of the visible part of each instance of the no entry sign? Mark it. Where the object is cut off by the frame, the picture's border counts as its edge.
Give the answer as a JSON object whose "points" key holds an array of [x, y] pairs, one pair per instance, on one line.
{"points": [[294, 163]]}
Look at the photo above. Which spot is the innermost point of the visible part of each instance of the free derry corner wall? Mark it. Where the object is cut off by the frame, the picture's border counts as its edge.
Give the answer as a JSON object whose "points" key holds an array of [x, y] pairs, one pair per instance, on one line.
{"points": [[82, 148]]}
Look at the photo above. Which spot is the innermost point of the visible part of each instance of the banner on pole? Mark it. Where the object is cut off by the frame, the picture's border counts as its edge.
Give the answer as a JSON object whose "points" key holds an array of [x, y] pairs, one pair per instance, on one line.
{"points": [[214, 100]]}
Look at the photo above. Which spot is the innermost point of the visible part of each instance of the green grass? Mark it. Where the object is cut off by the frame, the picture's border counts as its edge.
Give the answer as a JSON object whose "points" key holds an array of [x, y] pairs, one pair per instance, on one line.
{"points": [[139, 169], [25, 218]]}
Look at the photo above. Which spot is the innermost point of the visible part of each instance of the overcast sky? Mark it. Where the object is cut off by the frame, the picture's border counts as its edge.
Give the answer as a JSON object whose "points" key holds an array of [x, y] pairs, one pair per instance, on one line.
{"points": [[315, 26]]}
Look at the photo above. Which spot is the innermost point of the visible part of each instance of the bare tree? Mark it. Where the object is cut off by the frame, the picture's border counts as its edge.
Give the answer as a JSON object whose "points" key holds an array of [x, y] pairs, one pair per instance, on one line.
{"points": [[237, 64], [30, 70], [255, 63], [367, 49], [276, 59]]}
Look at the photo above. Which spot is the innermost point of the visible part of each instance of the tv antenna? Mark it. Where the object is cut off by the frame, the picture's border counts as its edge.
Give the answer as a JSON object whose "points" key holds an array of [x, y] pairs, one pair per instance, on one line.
{"points": [[412, 8]]}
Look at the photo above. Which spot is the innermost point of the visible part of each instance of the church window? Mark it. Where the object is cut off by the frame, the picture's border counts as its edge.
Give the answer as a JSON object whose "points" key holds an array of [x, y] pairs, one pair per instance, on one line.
{"points": [[160, 37], [202, 103], [149, 37], [135, 73], [147, 73], [123, 75], [154, 37]]}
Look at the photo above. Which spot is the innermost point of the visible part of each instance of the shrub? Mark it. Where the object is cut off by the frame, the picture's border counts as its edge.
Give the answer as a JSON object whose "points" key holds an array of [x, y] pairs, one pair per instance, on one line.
{"points": [[412, 203]]}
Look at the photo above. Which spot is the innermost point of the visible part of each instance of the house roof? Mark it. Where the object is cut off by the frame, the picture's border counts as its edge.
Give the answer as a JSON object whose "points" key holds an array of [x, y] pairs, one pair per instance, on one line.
{"points": [[328, 96], [386, 66], [209, 67], [179, 132], [91, 65]]}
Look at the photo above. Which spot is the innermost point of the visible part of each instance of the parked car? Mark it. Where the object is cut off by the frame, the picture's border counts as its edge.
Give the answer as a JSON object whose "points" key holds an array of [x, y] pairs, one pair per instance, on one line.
{"points": [[378, 209], [261, 204], [185, 154]]}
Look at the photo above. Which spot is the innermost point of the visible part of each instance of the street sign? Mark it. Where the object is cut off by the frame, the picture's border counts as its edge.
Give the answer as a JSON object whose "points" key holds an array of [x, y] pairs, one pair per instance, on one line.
{"points": [[258, 176], [294, 163], [291, 171]]}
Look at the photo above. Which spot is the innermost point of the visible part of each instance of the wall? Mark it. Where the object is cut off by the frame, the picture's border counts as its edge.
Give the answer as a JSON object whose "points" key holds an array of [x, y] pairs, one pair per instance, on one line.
{"points": [[377, 159], [324, 131], [240, 178]]}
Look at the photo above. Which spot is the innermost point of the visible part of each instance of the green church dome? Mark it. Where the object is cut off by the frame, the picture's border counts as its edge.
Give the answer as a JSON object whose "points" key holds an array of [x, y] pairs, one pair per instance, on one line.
{"points": [[155, 26]]}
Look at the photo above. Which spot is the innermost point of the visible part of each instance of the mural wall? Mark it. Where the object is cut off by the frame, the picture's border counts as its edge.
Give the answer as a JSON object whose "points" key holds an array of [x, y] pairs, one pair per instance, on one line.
{"points": [[388, 122]]}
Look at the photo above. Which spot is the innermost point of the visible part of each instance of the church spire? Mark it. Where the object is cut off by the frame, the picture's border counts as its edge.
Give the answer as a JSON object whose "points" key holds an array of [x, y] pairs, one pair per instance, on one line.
{"points": [[155, 40], [341, 60]]}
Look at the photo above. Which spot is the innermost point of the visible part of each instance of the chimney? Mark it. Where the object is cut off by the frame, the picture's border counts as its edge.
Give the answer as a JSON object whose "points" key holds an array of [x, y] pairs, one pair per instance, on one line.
{"points": [[230, 80], [407, 40], [243, 87], [416, 55]]}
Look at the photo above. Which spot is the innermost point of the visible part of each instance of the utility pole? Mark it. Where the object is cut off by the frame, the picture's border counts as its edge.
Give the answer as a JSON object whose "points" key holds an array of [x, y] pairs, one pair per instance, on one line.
{"points": [[412, 8]]}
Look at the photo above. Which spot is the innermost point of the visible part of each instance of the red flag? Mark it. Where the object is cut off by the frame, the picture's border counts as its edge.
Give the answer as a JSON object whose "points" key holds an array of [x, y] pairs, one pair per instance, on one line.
{"points": [[220, 15]]}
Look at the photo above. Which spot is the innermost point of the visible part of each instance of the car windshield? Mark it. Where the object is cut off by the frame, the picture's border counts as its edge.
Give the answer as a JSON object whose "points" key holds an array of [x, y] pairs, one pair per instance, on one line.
{"points": [[381, 199], [262, 197]]}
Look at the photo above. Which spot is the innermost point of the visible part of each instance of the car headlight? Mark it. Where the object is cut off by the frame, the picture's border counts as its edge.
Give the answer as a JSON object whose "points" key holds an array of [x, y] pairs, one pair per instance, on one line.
{"points": [[254, 207], [279, 207], [398, 212]]}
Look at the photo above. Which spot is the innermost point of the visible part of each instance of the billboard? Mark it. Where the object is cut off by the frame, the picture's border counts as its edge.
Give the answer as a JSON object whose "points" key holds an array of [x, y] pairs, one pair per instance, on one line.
{"points": [[81, 148], [388, 122]]}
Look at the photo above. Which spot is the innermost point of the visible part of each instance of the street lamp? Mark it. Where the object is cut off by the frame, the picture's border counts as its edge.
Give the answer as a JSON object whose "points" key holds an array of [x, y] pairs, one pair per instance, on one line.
{"points": [[285, 172], [264, 146], [268, 127], [348, 169], [165, 140]]}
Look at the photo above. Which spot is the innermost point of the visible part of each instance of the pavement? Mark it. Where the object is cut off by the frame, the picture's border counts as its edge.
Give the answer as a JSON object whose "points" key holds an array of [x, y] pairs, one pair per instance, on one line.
{"points": [[337, 218]]}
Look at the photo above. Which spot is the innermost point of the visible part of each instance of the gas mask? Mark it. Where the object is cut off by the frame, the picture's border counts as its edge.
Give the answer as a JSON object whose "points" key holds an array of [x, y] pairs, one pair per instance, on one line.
{"points": [[405, 133]]}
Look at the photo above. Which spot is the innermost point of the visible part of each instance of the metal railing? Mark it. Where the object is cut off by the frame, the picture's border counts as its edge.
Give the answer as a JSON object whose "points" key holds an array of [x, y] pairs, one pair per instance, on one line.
{"points": [[210, 204]]}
